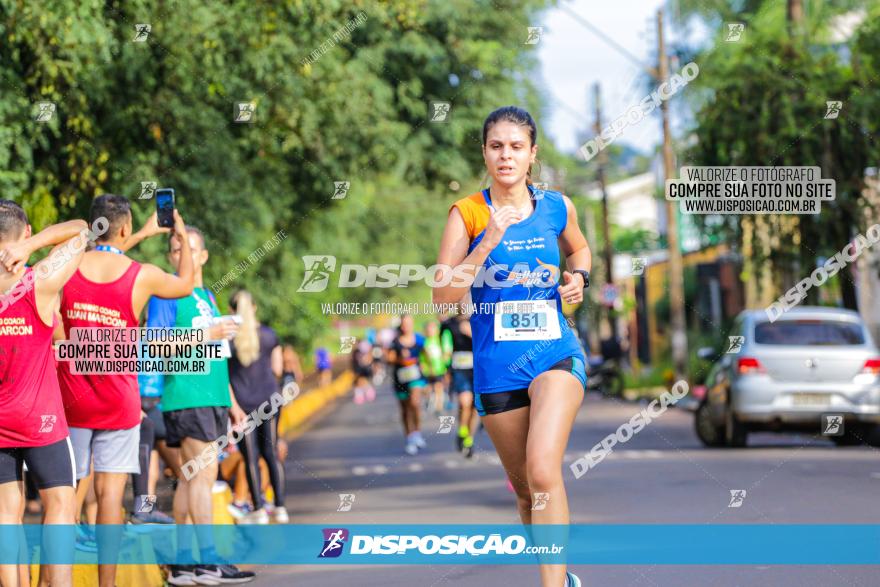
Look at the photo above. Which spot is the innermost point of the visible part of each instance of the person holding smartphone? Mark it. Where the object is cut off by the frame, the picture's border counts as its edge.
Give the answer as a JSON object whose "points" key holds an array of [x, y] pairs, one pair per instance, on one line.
{"points": [[529, 369], [104, 410]]}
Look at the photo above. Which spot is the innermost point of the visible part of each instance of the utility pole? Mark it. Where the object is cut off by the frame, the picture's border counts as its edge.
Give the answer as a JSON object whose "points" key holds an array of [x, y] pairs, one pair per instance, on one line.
{"points": [[676, 281], [676, 266], [600, 177]]}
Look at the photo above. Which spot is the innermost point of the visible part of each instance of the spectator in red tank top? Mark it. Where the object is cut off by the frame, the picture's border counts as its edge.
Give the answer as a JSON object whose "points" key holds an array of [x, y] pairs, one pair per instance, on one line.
{"points": [[33, 430], [104, 411]]}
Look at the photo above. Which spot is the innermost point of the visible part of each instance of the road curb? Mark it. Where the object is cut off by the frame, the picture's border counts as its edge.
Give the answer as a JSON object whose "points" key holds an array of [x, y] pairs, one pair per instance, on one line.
{"points": [[299, 414]]}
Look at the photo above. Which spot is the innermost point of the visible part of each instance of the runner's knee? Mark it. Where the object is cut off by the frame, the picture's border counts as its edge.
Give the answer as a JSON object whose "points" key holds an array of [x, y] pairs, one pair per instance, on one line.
{"points": [[58, 503], [543, 476]]}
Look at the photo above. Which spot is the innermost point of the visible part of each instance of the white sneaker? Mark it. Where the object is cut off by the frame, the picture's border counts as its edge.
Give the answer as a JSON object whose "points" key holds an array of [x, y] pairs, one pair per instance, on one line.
{"points": [[571, 580], [419, 440], [279, 515], [255, 517], [411, 448]]}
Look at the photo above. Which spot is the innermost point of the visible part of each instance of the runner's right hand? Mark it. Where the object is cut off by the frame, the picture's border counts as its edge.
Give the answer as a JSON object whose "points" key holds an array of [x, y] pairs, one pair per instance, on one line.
{"points": [[498, 224]]}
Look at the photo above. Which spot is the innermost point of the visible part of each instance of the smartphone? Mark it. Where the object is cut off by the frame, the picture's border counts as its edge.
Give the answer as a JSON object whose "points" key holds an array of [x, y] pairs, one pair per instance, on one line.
{"points": [[165, 207]]}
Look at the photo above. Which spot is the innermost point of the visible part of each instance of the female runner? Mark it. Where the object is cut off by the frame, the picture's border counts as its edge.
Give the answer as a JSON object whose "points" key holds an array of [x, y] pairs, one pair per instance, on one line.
{"points": [[529, 375], [409, 381]]}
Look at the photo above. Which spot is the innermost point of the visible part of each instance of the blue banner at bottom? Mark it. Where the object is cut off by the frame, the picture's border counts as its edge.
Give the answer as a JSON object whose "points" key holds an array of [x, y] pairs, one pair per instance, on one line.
{"points": [[585, 544]]}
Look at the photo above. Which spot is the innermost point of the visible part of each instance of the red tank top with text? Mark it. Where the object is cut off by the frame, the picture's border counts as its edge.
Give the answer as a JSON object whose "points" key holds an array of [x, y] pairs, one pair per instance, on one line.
{"points": [[99, 401], [31, 410]]}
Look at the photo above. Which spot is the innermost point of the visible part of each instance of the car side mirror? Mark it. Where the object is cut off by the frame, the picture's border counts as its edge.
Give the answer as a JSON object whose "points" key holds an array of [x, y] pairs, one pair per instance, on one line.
{"points": [[706, 353]]}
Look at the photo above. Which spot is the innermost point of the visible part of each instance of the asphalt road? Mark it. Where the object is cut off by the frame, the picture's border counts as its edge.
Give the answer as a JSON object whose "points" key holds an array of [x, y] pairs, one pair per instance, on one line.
{"points": [[663, 475]]}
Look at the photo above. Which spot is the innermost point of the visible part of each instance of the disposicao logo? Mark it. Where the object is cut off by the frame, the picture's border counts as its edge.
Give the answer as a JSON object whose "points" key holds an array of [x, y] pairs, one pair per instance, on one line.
{"points": [[334, 541]]}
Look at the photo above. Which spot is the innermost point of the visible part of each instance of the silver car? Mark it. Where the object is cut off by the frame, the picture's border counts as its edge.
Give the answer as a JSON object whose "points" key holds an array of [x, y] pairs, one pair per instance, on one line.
{"points": [[814, 369]]}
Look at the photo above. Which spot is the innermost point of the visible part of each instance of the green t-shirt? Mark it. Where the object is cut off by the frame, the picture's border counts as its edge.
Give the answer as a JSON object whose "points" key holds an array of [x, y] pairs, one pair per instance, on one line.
{"points": [[432, 357], [203, 390]]}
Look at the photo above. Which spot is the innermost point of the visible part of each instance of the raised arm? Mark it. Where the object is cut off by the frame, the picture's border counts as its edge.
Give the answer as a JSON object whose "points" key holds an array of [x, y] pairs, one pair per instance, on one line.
{"points": [[70, 240], [167, 285], [15, 255], [150, 228]]}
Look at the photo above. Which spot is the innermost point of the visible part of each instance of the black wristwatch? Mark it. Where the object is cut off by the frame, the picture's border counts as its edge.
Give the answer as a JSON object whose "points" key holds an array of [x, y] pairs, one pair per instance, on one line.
{"points": [[585, 275]]}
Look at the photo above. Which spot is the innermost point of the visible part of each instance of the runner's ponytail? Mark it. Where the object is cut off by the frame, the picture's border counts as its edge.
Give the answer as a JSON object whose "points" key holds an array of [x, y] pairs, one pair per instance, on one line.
{"points": [[247, 341]]}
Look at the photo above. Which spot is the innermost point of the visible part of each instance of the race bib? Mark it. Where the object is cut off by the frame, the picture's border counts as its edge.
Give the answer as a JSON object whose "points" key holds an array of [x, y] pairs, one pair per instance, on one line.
{"points": [[527, 320], [409, 374], [462, 360]]}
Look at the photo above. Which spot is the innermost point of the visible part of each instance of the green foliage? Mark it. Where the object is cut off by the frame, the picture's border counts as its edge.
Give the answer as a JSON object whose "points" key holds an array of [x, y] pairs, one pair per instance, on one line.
{"points": [[330, 106], [762, 100], [633, 240]]}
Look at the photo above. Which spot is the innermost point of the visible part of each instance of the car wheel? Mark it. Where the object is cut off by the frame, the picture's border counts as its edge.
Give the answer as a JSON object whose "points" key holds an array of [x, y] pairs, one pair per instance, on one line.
{"points": [[708, 433], [736, 435], [853, 435], [872, 434]]}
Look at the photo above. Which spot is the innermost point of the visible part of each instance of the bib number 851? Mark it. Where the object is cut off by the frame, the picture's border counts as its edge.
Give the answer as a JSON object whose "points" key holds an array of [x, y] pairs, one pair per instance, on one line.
{"points": [[524, 320]]}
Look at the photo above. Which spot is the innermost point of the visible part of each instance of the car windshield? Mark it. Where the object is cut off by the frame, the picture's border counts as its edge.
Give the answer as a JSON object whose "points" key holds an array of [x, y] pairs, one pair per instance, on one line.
{"points": [[809, 333]]}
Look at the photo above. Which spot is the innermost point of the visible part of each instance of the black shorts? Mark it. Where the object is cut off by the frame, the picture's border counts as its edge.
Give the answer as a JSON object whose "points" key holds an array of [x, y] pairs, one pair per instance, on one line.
{"points": [[49, 466], [504, 401], [363, 370], [205, 424]]}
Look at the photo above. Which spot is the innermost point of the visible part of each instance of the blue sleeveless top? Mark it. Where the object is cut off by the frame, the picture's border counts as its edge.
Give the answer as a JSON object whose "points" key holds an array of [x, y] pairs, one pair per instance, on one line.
{"points": [[524, 266]]}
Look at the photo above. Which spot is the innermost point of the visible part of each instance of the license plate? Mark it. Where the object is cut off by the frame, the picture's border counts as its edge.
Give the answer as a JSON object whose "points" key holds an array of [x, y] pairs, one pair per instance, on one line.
{"points": [[812, 399]]}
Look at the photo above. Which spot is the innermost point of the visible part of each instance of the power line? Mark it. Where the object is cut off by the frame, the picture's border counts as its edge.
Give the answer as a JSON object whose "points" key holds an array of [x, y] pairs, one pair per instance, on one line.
{"points": [[598, 32]]}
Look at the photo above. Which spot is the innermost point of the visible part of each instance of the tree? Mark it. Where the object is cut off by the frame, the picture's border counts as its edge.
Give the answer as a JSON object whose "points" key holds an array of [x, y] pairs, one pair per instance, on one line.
{"points": [[761, 101], [341, 94]]}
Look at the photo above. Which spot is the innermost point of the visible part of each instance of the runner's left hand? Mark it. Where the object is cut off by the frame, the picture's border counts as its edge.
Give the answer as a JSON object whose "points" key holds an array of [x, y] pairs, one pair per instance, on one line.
{"points": [[151, 226], [572, 289]]}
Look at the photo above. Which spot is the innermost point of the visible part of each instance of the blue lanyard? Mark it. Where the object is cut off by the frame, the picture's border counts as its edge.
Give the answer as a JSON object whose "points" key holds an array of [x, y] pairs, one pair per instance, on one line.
{"points": [[109, 249]]}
